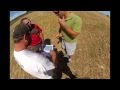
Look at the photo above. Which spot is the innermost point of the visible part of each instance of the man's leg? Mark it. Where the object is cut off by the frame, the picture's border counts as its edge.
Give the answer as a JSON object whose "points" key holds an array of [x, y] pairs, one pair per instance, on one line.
{"points": [[57, 71], [70, 49], [68, 72]]}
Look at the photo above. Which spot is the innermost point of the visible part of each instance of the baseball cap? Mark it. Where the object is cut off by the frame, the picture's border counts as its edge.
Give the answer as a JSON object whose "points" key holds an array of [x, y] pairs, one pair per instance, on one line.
{"points": [[20, 30]]}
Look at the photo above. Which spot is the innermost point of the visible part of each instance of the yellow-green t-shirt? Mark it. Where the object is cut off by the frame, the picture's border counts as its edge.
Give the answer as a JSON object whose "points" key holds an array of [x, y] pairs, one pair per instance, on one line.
{"points": [[74, 22]]}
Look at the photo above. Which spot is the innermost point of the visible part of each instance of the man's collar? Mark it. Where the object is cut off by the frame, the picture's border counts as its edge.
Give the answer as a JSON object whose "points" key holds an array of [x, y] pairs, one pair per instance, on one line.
{"points": [[69, 17]]}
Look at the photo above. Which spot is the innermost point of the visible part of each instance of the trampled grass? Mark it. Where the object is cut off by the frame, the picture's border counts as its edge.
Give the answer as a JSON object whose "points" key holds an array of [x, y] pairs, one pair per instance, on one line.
{"points": [[92, 56]]}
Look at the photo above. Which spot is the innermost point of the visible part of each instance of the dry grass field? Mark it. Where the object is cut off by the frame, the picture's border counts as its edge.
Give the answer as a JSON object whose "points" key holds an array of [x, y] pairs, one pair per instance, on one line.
{"points": [[92, 56]]}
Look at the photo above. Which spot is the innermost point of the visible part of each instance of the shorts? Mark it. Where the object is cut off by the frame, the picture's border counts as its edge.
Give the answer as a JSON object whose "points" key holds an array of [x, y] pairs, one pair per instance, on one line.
{"points": [[70, 47]]}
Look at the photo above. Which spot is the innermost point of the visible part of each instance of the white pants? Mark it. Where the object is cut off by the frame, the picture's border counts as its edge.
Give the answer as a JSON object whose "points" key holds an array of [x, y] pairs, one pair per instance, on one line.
{"points": [[70, 47]]}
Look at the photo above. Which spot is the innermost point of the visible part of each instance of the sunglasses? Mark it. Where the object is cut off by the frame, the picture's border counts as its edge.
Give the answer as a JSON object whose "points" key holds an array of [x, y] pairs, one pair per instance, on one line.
{"points": [[28, 23], [56, 12]]}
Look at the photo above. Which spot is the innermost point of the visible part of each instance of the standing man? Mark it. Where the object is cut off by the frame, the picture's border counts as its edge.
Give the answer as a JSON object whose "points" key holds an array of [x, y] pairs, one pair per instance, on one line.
{"points": [[37, 36], [70, 26]]}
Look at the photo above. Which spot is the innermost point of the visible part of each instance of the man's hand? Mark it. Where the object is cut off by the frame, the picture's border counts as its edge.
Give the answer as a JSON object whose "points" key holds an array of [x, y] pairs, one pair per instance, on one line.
{"points": [[58, 35], [61, 21], [53, 56], [67, 29]]}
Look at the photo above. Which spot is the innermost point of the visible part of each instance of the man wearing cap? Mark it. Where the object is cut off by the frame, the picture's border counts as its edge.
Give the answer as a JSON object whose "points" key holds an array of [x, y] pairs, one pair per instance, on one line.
{"points": [[37, 36], [32, 62], [70, 26]]}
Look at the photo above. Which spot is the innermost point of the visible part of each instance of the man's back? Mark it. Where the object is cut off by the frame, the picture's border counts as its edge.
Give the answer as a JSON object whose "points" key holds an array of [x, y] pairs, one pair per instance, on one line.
{"points": [[34, 64]]}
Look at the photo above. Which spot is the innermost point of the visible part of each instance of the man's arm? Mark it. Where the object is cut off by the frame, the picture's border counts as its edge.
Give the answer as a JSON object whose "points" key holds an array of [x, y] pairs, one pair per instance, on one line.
{"points": [[54, 58], [42, 36], [71, 32]]}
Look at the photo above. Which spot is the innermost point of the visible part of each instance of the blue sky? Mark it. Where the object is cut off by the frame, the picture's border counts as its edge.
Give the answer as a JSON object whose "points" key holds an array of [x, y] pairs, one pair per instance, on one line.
{"points": [[14, 14], [105, 12]]}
